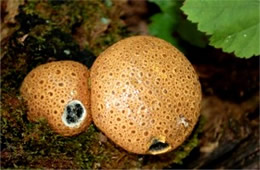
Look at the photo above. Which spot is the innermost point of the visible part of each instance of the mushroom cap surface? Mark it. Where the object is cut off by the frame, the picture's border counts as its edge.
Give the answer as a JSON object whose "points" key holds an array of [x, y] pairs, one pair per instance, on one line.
{"points": [[59, 92], [145, 95]]}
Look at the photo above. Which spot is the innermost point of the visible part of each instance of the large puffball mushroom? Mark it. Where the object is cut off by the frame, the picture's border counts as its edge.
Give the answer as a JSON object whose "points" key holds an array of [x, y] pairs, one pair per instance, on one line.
{"points": [[59, 92], [145, 95]]}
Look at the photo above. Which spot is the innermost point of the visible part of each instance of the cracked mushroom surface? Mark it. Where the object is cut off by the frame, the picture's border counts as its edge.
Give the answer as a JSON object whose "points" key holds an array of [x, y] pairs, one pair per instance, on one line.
{"points": [[145, 95], [58, 91]]}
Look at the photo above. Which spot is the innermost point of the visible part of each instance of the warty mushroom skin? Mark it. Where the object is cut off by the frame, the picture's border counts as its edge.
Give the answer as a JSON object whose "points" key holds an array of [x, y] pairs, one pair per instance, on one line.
{"points": [[58, 91], [145, 95]]}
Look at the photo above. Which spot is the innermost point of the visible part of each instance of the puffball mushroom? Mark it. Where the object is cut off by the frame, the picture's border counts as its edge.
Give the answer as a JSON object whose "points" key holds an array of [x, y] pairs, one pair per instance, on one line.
{"points": [[58, 91], [145, 95]]}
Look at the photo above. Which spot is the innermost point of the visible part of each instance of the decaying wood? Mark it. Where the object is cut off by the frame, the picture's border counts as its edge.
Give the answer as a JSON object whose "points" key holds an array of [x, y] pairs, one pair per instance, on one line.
{"points": [[9, 9], [231, 135]]}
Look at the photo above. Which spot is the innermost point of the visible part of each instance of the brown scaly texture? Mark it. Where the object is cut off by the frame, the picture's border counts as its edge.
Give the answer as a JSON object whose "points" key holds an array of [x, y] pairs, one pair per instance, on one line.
{"points": [[48, 88], [142, 89]]}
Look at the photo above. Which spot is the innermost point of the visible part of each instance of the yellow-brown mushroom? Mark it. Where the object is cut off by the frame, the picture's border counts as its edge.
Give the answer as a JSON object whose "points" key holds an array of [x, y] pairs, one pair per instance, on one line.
{"points": [[59, 92], [145, 95]]}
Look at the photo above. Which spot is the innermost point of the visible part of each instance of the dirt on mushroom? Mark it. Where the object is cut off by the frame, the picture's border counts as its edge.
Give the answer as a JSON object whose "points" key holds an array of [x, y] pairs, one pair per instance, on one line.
{"points": [[149, 102]]}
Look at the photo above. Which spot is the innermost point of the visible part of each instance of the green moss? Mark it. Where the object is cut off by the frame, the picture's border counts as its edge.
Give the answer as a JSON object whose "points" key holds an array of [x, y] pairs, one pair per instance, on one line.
{"points": [[84, 19], [184, 150], [72, 30], [24, 143]]}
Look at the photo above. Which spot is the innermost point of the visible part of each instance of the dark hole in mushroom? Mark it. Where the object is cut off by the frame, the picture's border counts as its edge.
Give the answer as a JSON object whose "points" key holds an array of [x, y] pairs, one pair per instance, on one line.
{"points": [[74, 113], [158, 145]]}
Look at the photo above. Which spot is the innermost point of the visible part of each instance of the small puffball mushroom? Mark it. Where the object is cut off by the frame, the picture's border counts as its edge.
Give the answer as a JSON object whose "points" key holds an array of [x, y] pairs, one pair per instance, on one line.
{"points": [[58, 91], [145, 95]]}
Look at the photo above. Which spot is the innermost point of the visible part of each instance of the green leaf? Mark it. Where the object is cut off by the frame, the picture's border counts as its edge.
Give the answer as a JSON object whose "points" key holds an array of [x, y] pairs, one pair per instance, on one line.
{"points": [[232, 24], [188, 32], [164, 24], [166, 5]]}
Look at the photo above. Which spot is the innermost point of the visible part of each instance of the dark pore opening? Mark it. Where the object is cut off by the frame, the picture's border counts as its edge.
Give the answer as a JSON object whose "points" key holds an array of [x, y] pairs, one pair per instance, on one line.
{"points": [[79, 110], [157, 145], [74, 112]]}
